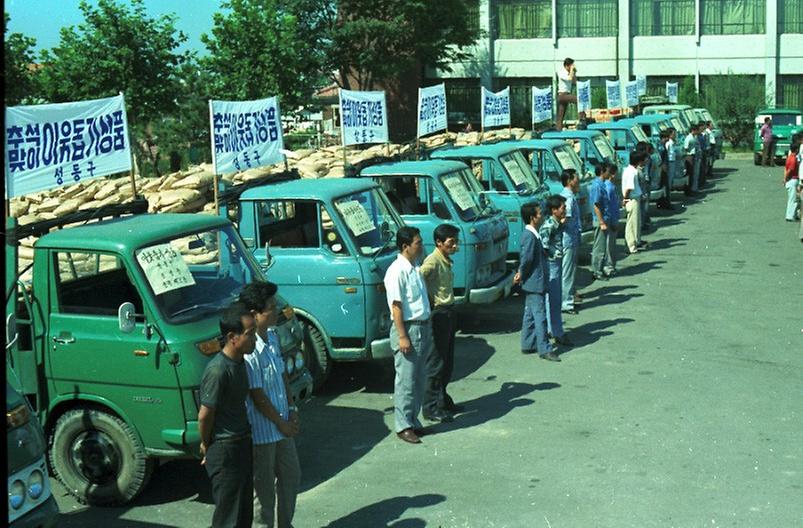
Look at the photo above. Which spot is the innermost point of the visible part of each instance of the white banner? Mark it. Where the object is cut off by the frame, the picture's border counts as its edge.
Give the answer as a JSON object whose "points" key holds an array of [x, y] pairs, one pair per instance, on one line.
{"points": [[642, 84], [58, 144], [363, 117], [631, 94], [614, 92], [245, 134], [431, 109], [672, 92], [542, 104], [583, 96], [495, 108]]}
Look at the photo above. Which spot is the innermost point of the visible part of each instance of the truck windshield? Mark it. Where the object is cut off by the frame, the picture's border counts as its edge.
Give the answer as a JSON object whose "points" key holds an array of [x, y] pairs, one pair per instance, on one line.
{"points": [[568, 159], [196, 275], [639, 133], [465, 199], [783, 119], [604, 147], [371, 221], [521, 175], [691, 116], [677, 125]]}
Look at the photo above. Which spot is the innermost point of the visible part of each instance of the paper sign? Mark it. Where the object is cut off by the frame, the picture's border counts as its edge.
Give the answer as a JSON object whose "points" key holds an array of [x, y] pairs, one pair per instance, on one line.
{"points": [[565, 159], [164, 268], [672, 92], [542, 104], [245, 134], [614, 92], [364, 117], [356, 217], [515, 172], [431, 109], [457, 190], [495, 108], [583, 96], [631, 94], [53, 145], [641, 81]]}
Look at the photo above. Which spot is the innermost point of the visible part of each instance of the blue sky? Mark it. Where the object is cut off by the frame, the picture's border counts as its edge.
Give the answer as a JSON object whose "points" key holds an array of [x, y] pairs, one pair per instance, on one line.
{"points": [[42, 19]]}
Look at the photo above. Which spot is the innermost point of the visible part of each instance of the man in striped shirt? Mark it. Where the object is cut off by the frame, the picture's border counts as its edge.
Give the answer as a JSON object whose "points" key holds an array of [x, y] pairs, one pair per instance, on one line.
{"points": [[273, 417]]}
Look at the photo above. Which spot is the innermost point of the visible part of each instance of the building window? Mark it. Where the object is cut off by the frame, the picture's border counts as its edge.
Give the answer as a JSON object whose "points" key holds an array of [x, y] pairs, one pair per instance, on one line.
{"points": [[587, 18], [733, 17], [662, 17], [463, 101], [523, 19], [790, 16], [790, 91]]}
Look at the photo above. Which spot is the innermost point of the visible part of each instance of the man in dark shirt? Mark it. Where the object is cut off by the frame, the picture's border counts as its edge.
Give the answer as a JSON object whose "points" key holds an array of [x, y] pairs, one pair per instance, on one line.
{"points": [[223, 421]]}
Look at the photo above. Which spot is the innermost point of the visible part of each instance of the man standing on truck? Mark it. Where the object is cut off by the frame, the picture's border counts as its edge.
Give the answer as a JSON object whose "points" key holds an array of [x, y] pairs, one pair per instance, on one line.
{"points": [[567, 77], [223, 422], [439, 279], [273, 416], [410, 333], [765, 133]]}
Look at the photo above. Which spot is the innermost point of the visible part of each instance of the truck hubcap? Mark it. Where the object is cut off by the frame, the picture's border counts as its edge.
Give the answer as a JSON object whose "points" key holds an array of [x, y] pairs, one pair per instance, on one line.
{"points": [[96, 457]]}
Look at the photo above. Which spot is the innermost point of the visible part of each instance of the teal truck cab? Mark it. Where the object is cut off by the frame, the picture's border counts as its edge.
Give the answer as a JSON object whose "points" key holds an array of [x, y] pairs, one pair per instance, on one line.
{"points": [[719, 137], [505, 177], [327, 243], [114, 331], [592, 146], [429, 193], [30, 500], [623, 137], [785, 123], [685, 113], [652, 126], [549, 158]]}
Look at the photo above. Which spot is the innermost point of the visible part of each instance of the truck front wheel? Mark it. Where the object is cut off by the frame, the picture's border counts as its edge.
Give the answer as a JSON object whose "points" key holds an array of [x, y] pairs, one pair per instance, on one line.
{"points": [[98, 457], [315, 355]]}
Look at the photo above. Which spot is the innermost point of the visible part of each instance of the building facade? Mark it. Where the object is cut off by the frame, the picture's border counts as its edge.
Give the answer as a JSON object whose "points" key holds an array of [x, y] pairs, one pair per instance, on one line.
{"points": [[525, 41]]}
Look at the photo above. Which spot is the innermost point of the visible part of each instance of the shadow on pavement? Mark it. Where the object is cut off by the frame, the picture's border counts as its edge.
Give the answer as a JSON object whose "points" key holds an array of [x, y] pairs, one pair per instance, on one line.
{"points": [[635, 269], [385, 513], [495, 405], [666, 243], [368, 376], [101, 517], [471, 353], [590, 333], [333, 438], [605, 290], [502, 317], [609, 299]]}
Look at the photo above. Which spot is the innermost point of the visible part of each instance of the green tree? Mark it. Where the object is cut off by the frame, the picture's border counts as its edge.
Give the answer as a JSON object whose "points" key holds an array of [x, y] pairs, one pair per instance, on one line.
{"points": [[735, 101], [262, 48], [119, 48], [19, 56]]}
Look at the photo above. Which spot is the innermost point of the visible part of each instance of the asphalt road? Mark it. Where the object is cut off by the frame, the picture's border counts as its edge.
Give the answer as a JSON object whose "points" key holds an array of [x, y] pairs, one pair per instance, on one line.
{"points": [[680, 405]]}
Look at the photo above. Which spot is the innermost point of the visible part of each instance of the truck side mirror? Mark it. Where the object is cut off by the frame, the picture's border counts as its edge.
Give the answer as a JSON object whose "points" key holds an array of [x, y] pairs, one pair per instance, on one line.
{"points": [[386, 233], [126, 317], [11, 330], [268, 258]]}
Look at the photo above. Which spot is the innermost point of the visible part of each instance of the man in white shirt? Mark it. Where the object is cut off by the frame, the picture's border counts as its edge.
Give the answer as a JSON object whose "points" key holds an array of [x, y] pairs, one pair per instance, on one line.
{"points": [[631, 191], [690, 147], [410, 333], [567, 77]]}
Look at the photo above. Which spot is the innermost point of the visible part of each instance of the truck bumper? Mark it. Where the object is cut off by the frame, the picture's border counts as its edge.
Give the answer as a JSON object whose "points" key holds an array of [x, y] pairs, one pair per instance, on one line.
{"points": [[45, 516], [380, 348], [488, 295], [657, 194]]}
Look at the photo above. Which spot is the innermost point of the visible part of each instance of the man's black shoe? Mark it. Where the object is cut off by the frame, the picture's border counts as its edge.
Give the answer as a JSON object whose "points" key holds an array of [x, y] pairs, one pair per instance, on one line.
{"points": [[439, 416], [564, 340], [599, 277], [551, 357]]}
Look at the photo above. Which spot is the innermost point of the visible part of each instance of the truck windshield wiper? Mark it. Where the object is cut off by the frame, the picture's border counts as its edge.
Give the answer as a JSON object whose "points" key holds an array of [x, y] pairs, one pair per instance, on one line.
{"points": [[213, 305]]}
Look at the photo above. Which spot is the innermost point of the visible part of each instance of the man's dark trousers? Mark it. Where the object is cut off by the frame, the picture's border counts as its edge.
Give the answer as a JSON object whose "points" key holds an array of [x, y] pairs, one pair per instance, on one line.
{"points": [[230, 467], [441, 362]]}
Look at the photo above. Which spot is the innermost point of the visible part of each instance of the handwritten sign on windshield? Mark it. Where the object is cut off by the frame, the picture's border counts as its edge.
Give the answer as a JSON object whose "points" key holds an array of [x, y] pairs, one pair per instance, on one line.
{"points": [[164, 268], [356, 217], [516, 174], [458, 192], [565, 159]]}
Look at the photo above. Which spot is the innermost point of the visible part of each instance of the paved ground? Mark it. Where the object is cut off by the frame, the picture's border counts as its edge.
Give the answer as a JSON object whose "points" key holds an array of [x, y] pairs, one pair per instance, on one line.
{"points": [[681, 405]]}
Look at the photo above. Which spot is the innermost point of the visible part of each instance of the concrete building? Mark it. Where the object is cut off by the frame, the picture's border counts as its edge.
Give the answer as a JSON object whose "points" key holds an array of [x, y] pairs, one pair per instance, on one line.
{"points": [[525, 41]]}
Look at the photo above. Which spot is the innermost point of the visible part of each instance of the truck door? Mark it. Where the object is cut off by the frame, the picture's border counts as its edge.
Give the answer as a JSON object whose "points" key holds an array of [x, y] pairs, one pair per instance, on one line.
{"points": [[88, 353]]}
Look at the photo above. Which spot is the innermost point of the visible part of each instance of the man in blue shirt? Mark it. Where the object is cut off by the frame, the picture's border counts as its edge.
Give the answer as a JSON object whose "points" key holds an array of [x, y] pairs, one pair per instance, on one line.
{"points": [[273, 417], [599, 201], [552, 239], [611, 217], [571, 238]]}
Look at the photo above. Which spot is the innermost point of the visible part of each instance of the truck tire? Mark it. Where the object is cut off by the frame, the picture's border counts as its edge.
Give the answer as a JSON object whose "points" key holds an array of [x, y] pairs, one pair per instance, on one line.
{"points": [[98, 457], [315, 355]]}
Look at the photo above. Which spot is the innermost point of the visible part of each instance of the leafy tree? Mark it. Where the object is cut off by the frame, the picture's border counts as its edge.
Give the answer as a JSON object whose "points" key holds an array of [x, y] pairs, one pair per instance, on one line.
{"points": [[262, 48], [19, 56], [735, 100], [119, 48]]}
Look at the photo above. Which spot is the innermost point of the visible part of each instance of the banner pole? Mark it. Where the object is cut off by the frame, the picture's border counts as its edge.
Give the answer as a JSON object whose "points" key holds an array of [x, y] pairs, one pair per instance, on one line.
{"points": [[417, 148], [215, 182], [133, 160]]}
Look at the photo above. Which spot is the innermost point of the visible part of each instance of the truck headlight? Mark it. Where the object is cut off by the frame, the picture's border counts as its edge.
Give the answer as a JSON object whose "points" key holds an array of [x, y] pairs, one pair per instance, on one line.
{"points": [[36, 484], [289, 366], [299, 361], [16, 494]]}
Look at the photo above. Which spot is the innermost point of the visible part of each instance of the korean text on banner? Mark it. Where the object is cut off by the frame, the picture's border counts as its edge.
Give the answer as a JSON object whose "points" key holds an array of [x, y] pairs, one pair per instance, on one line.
{"points": [[631, 94], [364, 117], [245, 134], [431, 109], [57, 144], [642, 84], [672, 92], [495, 108], [542, 104], [614, 92], [583, 96]]}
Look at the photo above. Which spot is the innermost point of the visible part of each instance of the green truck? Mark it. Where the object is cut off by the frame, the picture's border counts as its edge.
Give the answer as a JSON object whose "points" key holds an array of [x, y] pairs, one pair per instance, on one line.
{"points": [[785, 123], [113, 332]]}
